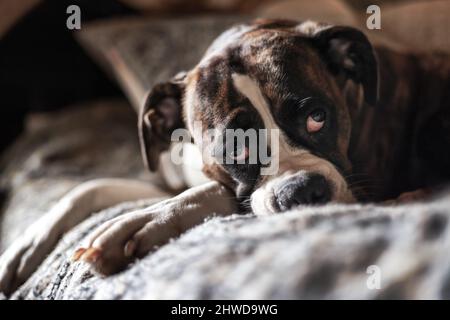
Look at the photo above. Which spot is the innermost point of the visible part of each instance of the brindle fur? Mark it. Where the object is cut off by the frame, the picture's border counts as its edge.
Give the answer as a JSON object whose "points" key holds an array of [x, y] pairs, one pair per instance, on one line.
{"points": [[403, 143], [383, 148]]}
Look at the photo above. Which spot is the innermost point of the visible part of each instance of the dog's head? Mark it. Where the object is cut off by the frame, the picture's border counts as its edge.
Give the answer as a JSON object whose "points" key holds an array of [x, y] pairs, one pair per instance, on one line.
{"points": [[303, 80]]}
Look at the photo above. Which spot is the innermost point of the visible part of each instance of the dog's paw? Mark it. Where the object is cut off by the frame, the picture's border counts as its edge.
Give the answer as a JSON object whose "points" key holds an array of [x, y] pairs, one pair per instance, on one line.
{"points": [[116, 243], [23, 257]]}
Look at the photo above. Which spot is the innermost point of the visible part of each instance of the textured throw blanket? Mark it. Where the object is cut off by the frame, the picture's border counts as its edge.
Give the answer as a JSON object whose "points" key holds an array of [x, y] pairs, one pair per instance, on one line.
{"points": [[328, 252]]}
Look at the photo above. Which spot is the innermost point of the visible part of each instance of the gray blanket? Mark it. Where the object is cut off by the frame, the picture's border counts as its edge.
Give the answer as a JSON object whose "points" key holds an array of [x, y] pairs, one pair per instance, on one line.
{"points": [[325, 252]]}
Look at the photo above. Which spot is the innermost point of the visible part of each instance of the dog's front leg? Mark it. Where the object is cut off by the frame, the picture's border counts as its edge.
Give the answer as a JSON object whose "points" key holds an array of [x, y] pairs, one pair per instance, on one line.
{"points": [[27, 252], [115, 243]]}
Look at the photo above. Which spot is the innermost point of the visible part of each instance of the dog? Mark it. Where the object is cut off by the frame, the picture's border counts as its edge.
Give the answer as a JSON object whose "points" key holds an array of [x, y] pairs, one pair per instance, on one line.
{"points": [[355, 123]]}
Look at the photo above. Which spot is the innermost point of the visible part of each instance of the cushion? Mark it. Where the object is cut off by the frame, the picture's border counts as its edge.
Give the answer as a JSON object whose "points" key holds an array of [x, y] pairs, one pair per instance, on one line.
{"points": [[140, 52], [422, 25]]}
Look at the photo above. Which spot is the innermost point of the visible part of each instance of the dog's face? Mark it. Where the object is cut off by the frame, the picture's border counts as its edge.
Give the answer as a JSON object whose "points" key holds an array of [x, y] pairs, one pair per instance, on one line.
{"points": [[274, 75]]}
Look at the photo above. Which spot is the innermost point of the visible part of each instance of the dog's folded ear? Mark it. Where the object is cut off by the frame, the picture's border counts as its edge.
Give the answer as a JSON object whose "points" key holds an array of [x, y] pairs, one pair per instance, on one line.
{"points": [[160, 115], [348, 52]]}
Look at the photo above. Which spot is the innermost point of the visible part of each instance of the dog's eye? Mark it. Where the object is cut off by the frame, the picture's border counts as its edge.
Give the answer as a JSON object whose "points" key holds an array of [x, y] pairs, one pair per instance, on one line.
{"points": [[315, 121]]}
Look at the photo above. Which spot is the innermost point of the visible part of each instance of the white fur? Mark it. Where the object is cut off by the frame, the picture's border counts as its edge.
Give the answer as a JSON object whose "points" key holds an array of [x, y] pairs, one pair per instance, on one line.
{"points": [[310, 27]]}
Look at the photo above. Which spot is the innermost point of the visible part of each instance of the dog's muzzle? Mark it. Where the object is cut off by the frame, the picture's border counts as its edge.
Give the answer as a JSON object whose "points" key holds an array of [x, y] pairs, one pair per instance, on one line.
{"points": [[294, 189], [304, 189]]}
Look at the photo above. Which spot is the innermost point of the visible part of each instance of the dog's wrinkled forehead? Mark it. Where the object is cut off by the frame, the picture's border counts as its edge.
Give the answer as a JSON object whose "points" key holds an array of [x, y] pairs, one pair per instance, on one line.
{"points": [[275, 55]]}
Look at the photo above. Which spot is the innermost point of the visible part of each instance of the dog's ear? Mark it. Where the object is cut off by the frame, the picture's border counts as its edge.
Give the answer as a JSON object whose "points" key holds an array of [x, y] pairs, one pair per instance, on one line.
{"points": [[348, 52], [160, 115]]}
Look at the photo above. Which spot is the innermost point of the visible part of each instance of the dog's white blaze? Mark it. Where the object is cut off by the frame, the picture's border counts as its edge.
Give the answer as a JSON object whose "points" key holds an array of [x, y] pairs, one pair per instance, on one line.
{"points": [[249, 88], [310, 27], [189, 100]]}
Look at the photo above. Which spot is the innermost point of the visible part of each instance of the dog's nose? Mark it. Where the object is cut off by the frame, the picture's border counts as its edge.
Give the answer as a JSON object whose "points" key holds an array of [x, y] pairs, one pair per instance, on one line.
{"points": [[302, 190]]}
